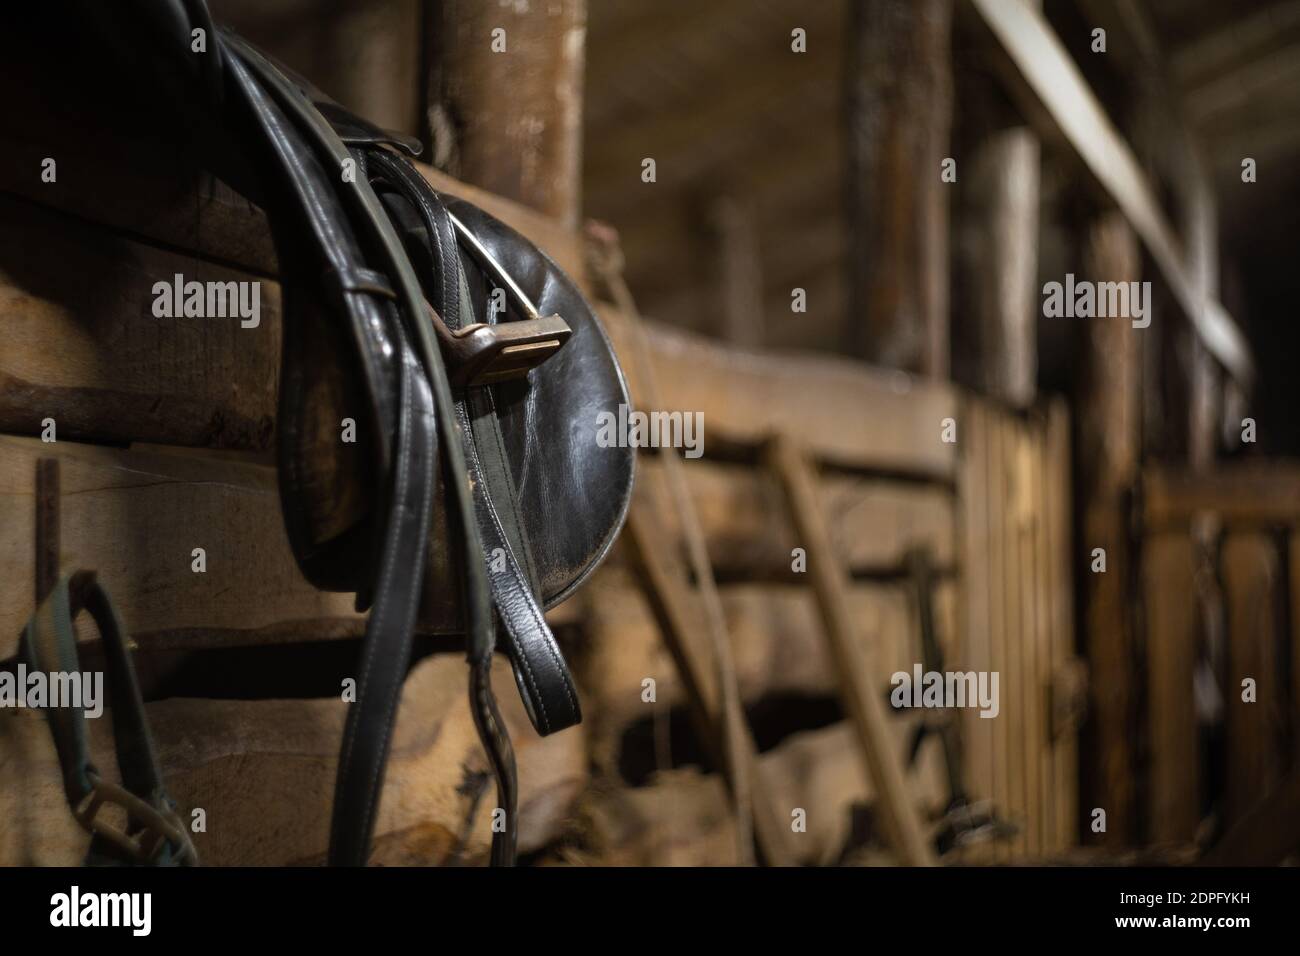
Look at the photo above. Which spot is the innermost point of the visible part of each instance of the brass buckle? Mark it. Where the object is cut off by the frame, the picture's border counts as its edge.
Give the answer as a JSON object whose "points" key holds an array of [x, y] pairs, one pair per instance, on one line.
{"points": [[158, 827], [481, 354]]}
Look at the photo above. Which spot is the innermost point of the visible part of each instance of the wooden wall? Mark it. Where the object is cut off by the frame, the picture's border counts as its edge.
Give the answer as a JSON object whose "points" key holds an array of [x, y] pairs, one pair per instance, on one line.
{"points": [[135, 512], [1220, 579], [1019, 620]]}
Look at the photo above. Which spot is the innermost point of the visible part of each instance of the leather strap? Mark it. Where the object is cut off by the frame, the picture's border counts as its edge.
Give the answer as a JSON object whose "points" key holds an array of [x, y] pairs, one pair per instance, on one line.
{"points": [[395, 587], [540, 671], [365, 749], [154, 835]]}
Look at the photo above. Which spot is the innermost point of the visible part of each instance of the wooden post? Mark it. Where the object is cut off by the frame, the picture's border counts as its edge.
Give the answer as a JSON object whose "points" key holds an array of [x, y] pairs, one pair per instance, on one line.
{"points": [[1108, 399], [505, 99], [1001, 266], [996, 240], [899, 103], [1205, 378]]}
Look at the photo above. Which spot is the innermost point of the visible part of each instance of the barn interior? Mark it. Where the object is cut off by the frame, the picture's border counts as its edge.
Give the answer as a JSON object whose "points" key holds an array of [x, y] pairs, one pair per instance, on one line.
{"points": [[829, 232]]}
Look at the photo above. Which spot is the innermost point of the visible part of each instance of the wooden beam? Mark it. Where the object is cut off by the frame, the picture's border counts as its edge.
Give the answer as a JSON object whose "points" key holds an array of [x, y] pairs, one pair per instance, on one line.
{"points": [[505, 99], [1174, 150], [1107, 456], [1224, 96], [1242, 41], [898, 80], [1249, 495], [1054, 80], [135, 516], [874, 523], [745, 396]]}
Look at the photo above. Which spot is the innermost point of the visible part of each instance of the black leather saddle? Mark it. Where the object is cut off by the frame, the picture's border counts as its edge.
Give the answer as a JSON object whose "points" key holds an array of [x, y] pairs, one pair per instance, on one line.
{"points": [[475, 494]]}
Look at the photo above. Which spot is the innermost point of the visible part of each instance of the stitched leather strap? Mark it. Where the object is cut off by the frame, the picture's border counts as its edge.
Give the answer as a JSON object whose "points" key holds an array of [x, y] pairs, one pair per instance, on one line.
{"points": [[365, 750], [395, 587], [539, 667]]}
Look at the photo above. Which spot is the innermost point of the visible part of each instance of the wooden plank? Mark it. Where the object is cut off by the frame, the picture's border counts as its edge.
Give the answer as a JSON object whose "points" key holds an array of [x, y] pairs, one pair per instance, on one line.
{"points": [[976, 588], [998, 571], [1030, 725], [1014, 677], [774, 630], [1061, 583], [1174, 774], [1056, 82], [264, 773], [1250, 572], [110, 342], [135, 517], [873, 522], [1046, 640], [1039, 638], [860, 695], [84, 348], [1247, 494], [746, 396]]}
